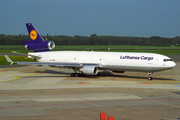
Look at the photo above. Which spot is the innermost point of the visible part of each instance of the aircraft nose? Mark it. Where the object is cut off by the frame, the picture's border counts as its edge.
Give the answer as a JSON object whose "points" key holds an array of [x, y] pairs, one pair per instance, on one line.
{"points": [[172, 64]]}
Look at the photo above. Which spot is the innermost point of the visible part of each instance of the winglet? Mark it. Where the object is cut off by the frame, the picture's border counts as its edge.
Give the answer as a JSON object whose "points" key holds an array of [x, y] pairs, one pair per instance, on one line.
{"points": [[8, 59]]}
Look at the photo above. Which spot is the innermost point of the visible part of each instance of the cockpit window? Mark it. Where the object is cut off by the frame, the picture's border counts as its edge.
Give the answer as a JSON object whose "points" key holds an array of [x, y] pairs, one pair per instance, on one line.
{"points": [[165, 60]]}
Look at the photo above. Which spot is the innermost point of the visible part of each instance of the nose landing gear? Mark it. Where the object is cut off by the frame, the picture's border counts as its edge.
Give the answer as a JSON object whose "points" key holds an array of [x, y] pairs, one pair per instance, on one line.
{"points": [[150, 78]]}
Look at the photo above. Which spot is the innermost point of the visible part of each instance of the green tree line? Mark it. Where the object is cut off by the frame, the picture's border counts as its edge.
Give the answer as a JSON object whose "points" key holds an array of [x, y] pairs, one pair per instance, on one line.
{"points": [[94, 40]]}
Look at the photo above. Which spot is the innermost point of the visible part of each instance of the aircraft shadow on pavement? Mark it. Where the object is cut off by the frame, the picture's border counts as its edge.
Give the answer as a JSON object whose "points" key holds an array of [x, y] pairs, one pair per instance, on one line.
{"points": [[177, 93], [103, 74], [109, 73], [54, 72]]}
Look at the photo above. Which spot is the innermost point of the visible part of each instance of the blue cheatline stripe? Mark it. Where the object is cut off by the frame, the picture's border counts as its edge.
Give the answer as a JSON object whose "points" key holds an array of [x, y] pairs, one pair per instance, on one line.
{"points": [[178, 85]]}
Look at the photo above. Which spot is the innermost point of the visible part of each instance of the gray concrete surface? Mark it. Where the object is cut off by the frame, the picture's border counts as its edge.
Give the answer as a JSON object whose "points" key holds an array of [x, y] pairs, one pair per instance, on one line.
{"points": [[33, 93]]}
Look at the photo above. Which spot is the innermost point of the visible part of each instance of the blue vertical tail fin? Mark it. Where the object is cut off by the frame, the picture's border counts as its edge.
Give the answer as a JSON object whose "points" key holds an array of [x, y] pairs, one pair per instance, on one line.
{"points": [[37, 43], [34, 35]]}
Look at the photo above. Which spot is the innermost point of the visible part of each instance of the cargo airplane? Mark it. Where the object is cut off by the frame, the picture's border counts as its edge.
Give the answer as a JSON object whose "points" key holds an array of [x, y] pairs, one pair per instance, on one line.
{"points": [[89, 63]]}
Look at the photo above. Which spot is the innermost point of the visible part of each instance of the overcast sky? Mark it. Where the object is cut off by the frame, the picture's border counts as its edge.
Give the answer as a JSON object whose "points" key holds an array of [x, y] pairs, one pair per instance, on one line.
{"points": [[141, 18]]}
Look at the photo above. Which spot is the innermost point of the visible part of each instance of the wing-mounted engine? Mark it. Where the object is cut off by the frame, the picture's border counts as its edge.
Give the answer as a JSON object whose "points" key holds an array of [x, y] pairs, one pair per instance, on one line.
{"points": [[89, 70], [39, 46]]}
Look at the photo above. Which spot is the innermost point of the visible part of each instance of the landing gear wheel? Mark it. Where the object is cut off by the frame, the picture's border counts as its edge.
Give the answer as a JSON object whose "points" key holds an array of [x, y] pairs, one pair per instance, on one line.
{"points": [[98, 74], [83, 75], [150, 73], [73, 74], [150, 78], [79, 74]]}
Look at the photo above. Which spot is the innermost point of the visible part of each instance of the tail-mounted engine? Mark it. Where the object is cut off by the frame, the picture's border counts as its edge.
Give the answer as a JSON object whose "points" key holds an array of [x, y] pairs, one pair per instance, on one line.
{"points": [[37, 43], [39, 46]]}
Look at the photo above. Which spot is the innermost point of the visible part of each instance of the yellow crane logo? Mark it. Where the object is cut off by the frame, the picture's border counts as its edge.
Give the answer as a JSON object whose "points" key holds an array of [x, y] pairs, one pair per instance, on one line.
{"points": [[33, 34]]}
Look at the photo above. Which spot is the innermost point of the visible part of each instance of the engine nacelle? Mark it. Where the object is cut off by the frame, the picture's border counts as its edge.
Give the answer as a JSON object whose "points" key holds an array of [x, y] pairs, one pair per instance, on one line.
{"points": [[40, 46], [89, 70]]}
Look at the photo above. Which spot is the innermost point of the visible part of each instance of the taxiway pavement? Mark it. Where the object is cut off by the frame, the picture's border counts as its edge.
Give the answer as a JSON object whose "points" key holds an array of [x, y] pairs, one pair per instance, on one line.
{"points": [[32, 92]]}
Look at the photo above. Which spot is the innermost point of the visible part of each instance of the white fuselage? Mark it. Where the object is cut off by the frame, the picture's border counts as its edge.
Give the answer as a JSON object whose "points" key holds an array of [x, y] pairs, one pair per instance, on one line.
{"points": [[115, 61]]}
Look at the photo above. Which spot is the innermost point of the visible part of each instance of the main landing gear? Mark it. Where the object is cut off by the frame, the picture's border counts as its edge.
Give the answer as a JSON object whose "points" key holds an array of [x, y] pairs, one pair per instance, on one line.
{"points": [[77, 75], [150, 73]]}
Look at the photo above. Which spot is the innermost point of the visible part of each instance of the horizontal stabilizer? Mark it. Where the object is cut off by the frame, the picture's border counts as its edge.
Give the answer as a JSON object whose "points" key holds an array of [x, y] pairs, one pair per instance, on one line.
{"points": [[23, 54], [8, 59]]}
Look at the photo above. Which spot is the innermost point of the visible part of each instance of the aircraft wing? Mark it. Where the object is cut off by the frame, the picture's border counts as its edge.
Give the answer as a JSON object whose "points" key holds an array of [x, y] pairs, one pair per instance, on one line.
{"points": [[60, 64], [56, 64]]}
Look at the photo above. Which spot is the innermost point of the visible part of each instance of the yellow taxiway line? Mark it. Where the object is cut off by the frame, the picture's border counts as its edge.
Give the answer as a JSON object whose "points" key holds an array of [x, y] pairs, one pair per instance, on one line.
{"points": [[16, 77]]}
